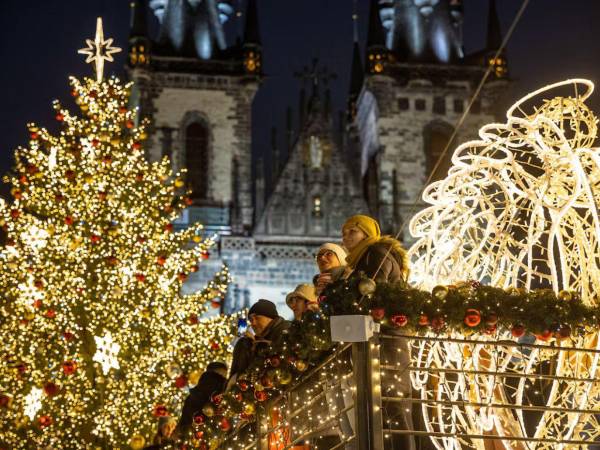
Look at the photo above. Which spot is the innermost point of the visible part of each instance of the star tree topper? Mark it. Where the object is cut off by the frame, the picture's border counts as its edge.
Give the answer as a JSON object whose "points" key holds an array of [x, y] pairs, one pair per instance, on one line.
{"points": [[99, 50]]}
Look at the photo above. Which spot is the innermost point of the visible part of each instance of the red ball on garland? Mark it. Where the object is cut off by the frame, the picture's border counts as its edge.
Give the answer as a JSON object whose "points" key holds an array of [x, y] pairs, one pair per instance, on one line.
{"points": [[545, 336], [137, 145], [161, 260], [193, 319], [437, 323], [68, 336], [122, 109], [194, 268], [517, 331], [169, 227], [129, 124], [188, 201], [215, 345], [95, 143], [182, 276], [378, 313], [266, 381], [261, 396], [216, 399], [69, 220], [69, 367], [44, 421], [205, 255], [199, 419], [140, 277], [50, 314], [39, 284], [160, 411], [472, 317], [50, 389], [17, 194], [95, 239], [400, 320], [181, 381], [243, 385], [60, 117], [238, 396], [225, 425], [37, 304], [33, 135], [15, 213], [423, 320]]}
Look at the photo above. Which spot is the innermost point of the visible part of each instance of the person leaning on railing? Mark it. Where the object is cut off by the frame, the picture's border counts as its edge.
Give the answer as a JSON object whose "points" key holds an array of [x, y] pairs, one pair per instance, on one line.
{"points": [[331, 260], [302, 299], [383, 259]]}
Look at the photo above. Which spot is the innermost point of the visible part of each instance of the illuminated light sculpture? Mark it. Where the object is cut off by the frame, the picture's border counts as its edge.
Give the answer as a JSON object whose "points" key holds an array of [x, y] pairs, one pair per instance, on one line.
{"points": [[88, 313], [518, 209]]}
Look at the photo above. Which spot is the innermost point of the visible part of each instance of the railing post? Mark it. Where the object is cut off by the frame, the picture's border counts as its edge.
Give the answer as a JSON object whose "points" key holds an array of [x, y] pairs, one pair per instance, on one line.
{"points": [[367, 406]]}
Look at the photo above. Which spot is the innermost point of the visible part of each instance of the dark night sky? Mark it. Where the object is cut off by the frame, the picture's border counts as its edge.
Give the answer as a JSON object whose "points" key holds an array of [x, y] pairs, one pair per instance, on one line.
{"points": [[556, 39]]}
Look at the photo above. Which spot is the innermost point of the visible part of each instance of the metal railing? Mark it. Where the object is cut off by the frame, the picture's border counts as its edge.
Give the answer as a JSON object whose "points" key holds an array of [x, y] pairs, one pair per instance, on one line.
{"points": [[453, 392]]}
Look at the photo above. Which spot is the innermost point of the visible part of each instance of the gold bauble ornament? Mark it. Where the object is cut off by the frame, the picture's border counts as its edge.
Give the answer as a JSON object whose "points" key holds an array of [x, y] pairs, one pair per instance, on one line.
{"points": [[173, 370], [258, 387], [301, 365], [440, 292], [565, 296], [137, 442], [285, 377], [366, 286], [208, 410], [249, 409], [194, 377], [21, 421], [29, 315]]}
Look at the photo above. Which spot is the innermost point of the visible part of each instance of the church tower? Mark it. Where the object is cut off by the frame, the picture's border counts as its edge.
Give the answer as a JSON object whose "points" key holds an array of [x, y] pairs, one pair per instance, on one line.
{"points": [[198, 92], [417, 85]]}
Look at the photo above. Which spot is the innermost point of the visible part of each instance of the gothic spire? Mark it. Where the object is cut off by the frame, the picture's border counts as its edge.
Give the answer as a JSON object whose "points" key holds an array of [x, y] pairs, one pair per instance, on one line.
{"points": [[139, 22], [251, 29], [494, 32], [357, 77]]}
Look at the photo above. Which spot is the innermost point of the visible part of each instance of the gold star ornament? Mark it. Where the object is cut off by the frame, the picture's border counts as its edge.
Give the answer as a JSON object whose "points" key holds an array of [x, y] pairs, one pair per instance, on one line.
{"points": [[99, 50]]}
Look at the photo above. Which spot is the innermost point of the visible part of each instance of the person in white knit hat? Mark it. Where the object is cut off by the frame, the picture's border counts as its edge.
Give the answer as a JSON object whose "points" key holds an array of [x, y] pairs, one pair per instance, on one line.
{"points": [[331, 261]]}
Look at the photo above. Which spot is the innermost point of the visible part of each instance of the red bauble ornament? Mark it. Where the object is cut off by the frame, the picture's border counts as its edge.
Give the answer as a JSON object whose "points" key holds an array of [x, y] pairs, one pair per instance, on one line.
{"points": [[17, 194], [74, 93], [112, 260], [243, 385], [266, 382], [205, 255], [140, 277], [45, 421], [225, 425], [216, 399], [139, 177], [37, 304], [239, 396], [261, 396], [214, 346], [182, 276], [437, 323], [181, 381], [400, 320], [60, 117], [34, 135], [545, 336], [517, 331], [39, 284], [129, 124], [95, 238], [161, 260], [160, 411], [15, 213], [69, 367], [169, 228], [193, 319], [68, 220], [4, 401], [122, 109], [51, 389], [423, 320], [102, 195], [215, 304], [137, 145], [68, 336], [50, 314], [199, 419], [378, 313], [32, 169], [188, 201], [472, 317], [194, 268], [95, 143]]}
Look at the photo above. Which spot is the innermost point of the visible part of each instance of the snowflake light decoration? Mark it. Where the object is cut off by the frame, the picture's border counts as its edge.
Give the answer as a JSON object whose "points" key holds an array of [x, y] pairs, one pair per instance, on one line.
{"points": [[107, 351]]}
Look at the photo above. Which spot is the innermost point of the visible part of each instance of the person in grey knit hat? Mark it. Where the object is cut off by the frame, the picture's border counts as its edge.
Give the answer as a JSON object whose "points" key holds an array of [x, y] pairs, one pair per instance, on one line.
{"points": [[331, 261]]}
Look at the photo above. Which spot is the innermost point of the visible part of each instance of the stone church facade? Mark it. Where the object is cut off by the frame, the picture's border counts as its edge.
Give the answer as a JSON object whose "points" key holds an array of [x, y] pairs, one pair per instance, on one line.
{"points": [[406, 95]]}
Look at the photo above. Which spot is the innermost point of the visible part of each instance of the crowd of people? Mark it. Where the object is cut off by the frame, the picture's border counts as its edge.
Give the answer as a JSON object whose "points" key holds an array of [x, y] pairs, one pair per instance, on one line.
{"points": [[365, 250]]}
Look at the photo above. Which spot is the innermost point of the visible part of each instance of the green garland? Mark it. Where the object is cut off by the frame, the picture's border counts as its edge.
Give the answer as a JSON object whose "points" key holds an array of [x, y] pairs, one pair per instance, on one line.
{"points": [[466, 308]]}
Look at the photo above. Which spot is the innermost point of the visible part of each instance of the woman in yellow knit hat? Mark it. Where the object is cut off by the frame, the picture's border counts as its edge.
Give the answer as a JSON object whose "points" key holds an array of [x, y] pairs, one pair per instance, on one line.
{"points": [[379, 257]]}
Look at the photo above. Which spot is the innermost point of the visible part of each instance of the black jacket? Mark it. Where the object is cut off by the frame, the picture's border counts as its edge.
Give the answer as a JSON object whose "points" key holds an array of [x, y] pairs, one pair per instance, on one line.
{"points": [[209, 383], [247, 348], [390, 265]]}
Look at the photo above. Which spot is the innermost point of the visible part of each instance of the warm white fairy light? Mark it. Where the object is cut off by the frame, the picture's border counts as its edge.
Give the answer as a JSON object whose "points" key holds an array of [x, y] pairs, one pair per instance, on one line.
{"points": [[33, 402], [519, 208]]}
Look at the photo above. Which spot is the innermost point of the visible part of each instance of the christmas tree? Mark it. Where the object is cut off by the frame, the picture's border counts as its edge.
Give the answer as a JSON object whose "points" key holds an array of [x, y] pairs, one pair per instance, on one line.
{"points": [[97, 339]]}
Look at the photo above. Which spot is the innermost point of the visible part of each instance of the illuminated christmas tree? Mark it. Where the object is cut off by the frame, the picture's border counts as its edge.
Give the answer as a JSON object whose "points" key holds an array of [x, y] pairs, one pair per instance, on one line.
{"points": [[97, 339]]}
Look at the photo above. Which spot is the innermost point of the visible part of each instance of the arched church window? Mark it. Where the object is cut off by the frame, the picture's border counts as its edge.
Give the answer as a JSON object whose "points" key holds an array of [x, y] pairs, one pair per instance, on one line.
{"points": [[436, 140], [196, 159]]}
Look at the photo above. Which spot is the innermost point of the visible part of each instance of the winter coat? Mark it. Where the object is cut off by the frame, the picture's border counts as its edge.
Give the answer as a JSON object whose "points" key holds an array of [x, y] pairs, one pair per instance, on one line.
{"points": [[209, 383], [395, 262], [247, 348]]}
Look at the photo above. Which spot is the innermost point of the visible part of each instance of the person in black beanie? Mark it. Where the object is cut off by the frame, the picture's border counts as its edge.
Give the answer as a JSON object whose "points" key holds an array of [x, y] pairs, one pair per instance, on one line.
{"points": [[269, 330]]}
